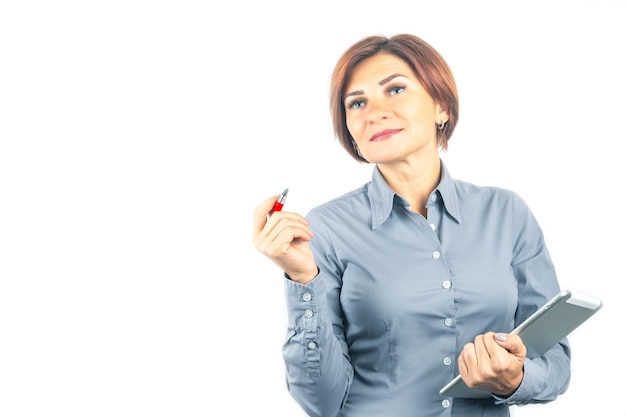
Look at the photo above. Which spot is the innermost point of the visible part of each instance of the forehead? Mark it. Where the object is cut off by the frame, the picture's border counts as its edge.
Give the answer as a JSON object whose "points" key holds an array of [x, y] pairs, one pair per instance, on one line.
{"points": [[377, 68]]}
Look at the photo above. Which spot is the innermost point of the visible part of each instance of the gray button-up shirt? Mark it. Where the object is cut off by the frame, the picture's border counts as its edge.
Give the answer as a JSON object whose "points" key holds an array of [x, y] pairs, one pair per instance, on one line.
{"points": [[378, 331]]}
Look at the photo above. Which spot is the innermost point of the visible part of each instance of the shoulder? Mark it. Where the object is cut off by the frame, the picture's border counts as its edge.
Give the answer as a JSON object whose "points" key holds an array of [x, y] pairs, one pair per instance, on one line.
{"points": [[489, 200], [341, 204], [338, 218], [467, 190]]}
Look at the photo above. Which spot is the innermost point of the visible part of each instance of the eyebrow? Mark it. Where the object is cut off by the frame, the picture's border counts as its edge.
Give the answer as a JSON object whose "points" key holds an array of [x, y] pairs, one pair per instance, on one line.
{"points": [[391, 77], [381, 82]]}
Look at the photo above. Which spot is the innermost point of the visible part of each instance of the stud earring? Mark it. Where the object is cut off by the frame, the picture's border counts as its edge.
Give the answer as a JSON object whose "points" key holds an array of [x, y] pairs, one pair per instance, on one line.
{"points": [[442, 125]]}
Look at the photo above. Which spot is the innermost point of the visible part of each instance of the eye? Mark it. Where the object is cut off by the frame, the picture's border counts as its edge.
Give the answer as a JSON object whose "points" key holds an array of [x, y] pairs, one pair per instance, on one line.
{"points": [[355, 104], [396, 89]]}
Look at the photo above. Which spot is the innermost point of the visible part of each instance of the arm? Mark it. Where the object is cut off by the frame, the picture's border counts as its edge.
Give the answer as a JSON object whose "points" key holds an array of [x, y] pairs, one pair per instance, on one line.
{"points": [[315, 353], [319, 372], [497, 363], [546, 377]]}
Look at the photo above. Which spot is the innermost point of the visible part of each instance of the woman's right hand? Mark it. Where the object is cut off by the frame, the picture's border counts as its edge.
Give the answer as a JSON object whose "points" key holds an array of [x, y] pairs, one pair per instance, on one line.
{"points": [[283, 237]]}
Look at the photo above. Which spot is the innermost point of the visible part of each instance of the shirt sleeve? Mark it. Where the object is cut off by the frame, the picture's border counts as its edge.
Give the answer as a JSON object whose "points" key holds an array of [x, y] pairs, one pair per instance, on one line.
{"points": [[548, 376], [319, 373]]}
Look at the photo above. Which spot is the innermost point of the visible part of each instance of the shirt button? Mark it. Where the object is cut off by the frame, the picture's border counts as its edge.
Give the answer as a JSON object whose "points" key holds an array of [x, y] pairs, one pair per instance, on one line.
{"points": [[433, 197], [308, 313], [446, 284], [448, 322], [447, 361], [432, 226], [311, 345], [306, 296], [436, 254], [445, 403]]}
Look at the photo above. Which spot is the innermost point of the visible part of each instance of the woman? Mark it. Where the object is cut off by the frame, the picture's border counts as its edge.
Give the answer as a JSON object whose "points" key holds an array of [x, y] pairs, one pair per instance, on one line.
{"points": [[396, 287]]}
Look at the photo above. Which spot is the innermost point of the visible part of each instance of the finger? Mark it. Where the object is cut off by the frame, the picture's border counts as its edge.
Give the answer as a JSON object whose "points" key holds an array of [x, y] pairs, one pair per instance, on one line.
{"points": [[482, 352], [260, 219], [280, 221], [287, 227], [512, 343], [493, 348], [499, 356], [280, 231], [467, 359]]}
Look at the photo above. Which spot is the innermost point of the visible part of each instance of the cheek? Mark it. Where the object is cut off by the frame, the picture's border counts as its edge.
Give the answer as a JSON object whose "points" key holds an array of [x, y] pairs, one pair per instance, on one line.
{"points": [[353, 124]]}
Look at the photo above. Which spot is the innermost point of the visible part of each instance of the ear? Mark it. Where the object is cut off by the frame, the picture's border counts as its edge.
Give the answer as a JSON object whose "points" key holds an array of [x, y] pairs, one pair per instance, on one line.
{"points": [[441, 114]]}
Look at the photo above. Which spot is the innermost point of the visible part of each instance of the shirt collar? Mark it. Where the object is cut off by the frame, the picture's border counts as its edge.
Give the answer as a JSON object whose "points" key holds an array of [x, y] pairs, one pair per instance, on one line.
{"points": [[447, 189], [382, 197]]}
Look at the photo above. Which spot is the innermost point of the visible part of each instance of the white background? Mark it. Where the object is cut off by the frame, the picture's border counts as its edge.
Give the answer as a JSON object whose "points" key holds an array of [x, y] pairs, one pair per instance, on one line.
{"points": [[136, 138]]}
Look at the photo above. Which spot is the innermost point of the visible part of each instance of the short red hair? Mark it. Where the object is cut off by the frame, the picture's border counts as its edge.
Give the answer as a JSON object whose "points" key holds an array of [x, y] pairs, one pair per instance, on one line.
{"points": [[429, 67]]}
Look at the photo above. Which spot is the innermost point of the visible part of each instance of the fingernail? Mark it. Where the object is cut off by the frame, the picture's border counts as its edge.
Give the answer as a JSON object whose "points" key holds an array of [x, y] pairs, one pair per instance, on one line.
{"points": [[501, 337]]}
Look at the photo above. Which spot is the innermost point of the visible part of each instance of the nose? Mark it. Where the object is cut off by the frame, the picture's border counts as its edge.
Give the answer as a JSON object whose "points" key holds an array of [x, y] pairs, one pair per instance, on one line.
{"points": [[377, 110]]}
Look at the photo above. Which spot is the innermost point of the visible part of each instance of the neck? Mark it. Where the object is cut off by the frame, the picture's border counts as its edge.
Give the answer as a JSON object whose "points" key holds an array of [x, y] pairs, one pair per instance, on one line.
{"points": [[414, 182]]}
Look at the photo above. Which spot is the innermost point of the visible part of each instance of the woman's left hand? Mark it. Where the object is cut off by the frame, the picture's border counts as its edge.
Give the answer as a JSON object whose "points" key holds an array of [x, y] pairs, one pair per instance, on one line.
{"points": [[494, 362]]}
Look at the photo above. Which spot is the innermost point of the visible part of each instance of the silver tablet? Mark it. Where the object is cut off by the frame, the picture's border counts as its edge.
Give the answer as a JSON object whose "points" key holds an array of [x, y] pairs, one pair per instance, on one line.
{"points": [[541, 331]]}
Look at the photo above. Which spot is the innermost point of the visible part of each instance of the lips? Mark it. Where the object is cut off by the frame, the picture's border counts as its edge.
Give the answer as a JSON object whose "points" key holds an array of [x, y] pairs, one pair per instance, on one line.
{"points": [[384, 135]]}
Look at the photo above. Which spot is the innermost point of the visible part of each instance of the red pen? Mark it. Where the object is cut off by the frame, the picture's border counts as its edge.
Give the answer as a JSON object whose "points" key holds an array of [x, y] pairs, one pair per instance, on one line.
{"points": [[278, 205]]}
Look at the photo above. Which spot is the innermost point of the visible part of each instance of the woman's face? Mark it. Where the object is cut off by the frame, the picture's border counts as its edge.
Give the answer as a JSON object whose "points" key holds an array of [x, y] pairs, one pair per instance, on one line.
{"points": [[388, 113]]}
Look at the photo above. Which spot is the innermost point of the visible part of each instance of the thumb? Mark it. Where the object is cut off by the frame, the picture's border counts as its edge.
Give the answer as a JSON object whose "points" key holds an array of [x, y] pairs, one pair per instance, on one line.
{"points": [[511, 342]]}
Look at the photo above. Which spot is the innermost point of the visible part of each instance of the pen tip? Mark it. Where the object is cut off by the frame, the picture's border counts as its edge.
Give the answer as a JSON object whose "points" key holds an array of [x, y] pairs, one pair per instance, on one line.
{"points": [[286, 191]]}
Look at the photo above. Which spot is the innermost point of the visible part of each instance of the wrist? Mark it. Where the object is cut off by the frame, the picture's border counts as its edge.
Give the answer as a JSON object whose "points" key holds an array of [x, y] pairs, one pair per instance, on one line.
{"points": [[303, 278]]}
